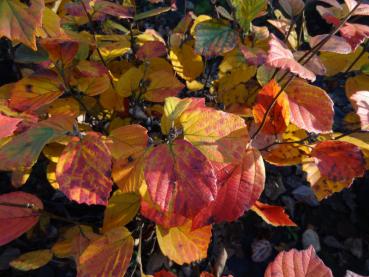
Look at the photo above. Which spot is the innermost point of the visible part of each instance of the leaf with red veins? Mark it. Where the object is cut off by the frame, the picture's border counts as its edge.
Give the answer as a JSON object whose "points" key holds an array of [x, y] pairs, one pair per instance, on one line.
{"points": [[339, 160], [279, 56], [180, 179], [83, 170]]}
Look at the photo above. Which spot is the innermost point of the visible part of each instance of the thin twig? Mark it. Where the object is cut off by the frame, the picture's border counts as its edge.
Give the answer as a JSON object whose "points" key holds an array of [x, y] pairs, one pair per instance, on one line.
{"points": [[357, 58]]}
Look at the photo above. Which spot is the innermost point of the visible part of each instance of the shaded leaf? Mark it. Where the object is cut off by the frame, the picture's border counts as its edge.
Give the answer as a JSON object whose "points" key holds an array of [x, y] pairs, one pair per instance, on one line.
{"points": [[32, 260], [183, 245], [334, 44], [83, 170], [8, 125], [15, 221], [60, 49]]}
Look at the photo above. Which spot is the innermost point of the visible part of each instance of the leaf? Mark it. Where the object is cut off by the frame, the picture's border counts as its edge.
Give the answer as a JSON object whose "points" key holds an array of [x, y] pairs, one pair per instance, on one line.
{"points": [[279, 56], [127, 141], [32, 260], [247, 11], [73, 241], [19, 21], [186, 63], [334, 44], [171, 184], [121, 209], [35, 91], [292, 7], [220, 136], [8, 125], [355, 34], [295, 263], [361, 100], [15, 221], [109, 255], [173, 108], [151, 13], [114, 9], [354, 84], [273, 215], [23, 150], [279, 116], [304, 112], [183, 245], [83, 170], [60, 49], [129, 81], [339, 160], [151, 49], [239, 187], [162, 84], [93, 86], [321, 185], [214, 38]]}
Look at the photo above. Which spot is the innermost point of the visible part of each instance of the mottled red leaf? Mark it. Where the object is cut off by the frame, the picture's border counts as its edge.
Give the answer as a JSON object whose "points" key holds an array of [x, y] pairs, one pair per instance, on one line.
{"points": [[279, 116], [280, 56], [14, 221], [335, 44], [274, 215], [339, 160], [179, 178], [305, 113], [151, 49], [84, 168], [296, 263], [361, 100]]}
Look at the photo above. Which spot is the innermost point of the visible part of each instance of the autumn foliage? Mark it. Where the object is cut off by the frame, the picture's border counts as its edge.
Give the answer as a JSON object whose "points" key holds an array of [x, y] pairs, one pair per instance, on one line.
{"points": [[135, 121]]}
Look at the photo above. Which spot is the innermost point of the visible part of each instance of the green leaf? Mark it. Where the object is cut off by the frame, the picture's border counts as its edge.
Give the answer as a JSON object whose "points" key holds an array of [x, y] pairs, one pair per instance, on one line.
{"points": [[365, 69], [214, 38], [247, 11]]}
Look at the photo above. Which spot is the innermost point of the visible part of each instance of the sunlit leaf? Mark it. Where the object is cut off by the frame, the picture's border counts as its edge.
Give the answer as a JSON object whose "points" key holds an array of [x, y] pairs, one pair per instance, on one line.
{"points": [[247, 11], [15, 221], [60, 49], [271, 214], [108, 255], [296, 263], [305, 113], [171, 184], [361, 100], [83, 170], [183, 245]]}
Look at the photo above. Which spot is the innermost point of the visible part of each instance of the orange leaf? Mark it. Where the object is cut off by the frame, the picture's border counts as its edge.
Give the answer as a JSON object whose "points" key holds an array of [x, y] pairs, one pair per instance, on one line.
{"points": [[339, 160], [35, 91], [295, 263], [185, 183], [19, 21], [83, 170], [60, 49], [274, 215], [151, 49], [15, 221], [109, 255], [183, 245], [279, 116], [305, 113]]}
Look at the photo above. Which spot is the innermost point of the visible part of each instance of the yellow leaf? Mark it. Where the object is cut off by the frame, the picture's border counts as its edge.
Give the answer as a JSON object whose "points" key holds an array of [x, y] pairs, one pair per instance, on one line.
{"points": [[51, 175], [20, 177], [198, 20], [52, 151], [121, 209], [129, 82], [32, 260], [186, 62], [194, 85], [183, 245]]}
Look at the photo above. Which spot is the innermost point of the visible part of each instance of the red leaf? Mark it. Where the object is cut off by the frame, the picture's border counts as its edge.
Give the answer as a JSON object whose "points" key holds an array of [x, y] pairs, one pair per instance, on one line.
{"points": [[164, 273], [279, 116], [8, 125], [151, 49], [15, 221], [83, 170], [280, 56], [274, 215], [355, 34], [239, 187], [305, 113], [339, 160], [185, 182], [361, 100], [335, 44], [295, 263], [60, 49]]}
